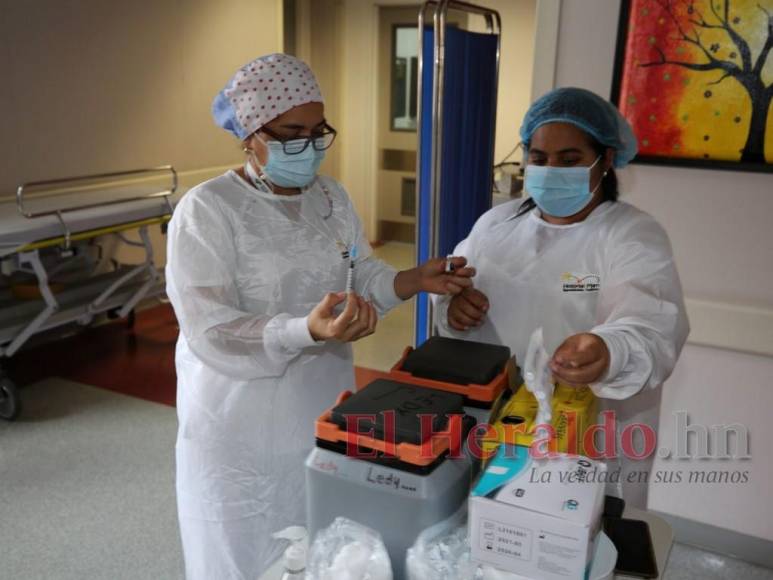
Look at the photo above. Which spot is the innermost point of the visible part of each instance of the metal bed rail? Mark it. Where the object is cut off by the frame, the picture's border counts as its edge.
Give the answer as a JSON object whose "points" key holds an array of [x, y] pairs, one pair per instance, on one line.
{"points": [[58, 212]]}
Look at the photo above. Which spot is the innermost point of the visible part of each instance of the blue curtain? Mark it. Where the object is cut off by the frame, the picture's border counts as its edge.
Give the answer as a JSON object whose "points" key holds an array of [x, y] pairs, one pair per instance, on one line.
{"points": [[468, 143]]}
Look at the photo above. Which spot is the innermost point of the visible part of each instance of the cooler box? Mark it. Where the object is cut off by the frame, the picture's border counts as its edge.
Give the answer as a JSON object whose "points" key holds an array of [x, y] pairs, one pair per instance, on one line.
{"points": [[482, 373], [378, 463]]}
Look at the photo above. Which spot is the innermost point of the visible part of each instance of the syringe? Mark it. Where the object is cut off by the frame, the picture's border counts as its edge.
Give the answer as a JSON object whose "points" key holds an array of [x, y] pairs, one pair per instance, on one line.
{"points": [[350, 273]]}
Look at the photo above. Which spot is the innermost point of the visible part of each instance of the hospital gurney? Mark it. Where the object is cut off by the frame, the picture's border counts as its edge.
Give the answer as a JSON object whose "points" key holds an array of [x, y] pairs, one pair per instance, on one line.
{"points": [[52, 233]]}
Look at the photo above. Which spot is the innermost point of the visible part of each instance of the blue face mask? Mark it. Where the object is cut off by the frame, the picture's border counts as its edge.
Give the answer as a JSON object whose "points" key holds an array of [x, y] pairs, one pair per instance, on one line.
{"points": [[292, 170], [560, 191]]}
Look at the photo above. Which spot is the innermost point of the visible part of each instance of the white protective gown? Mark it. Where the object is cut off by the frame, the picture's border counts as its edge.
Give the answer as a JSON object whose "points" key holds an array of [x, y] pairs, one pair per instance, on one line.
{"points": [[244, 270], [612, 274]]}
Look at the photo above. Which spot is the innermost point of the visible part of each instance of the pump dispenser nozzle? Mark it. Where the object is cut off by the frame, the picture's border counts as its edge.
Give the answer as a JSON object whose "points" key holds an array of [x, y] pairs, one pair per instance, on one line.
{"points": [[295, 554]]}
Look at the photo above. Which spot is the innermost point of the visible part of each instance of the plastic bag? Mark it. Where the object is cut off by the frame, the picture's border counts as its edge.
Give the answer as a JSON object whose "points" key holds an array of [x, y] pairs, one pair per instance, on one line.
{"points": [[442, 552], [346, 550]]}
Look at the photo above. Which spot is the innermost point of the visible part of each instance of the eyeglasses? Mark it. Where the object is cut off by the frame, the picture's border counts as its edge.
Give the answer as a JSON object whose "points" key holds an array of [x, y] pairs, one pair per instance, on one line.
{"points": [[320, 140]]}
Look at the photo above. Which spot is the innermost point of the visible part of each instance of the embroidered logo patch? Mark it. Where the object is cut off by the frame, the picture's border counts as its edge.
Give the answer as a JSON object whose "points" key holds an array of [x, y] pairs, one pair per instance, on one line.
{"points": [[585, 283]]}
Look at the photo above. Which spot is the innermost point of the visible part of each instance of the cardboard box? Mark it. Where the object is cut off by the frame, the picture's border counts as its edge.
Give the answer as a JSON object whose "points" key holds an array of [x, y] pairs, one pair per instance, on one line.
{"points": [[537, 518]]}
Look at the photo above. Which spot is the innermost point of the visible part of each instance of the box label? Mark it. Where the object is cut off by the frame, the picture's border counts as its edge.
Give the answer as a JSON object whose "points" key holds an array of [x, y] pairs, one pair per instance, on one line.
{"points": [[505, 539], [558, 554]]}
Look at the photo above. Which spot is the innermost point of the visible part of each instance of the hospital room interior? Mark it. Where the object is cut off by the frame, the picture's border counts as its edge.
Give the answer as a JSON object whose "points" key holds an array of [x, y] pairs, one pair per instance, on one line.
{"points": [[200, 370]]}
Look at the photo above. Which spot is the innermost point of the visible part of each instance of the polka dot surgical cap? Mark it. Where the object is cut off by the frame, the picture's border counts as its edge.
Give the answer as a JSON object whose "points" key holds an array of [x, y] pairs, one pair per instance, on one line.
{"points": [[262, 90]]}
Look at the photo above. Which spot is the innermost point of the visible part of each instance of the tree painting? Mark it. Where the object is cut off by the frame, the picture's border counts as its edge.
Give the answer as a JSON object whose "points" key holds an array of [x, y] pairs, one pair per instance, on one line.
{"points": [[696, 80]]}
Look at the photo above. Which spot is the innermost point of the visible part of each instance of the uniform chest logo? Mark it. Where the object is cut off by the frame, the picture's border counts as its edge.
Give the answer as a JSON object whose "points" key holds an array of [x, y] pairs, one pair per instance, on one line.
{"points": [[580, 283]]}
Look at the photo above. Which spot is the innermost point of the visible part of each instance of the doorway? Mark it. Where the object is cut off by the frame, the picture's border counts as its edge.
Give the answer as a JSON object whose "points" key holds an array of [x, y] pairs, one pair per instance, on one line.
{"points": [[396, 133]]}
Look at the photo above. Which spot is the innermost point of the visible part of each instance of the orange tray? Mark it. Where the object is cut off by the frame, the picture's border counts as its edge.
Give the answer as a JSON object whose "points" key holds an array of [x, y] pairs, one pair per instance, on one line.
{"points": [[480, 393], [422, 455]]}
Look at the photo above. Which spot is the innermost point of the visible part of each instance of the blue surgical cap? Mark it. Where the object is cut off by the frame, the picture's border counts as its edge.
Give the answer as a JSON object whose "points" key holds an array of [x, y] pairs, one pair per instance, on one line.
{"points": [[587, 111]]}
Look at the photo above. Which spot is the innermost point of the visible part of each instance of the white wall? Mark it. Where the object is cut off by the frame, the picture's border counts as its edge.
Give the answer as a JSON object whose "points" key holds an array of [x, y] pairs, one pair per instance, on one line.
{"points": [[718, 222], [358, 107], [720, 387], [515, 68], [319, 40], [90, 86]]}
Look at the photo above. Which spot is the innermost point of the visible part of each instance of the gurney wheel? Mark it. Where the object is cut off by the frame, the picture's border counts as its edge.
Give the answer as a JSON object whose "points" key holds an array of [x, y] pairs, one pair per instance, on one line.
{"points": [[10, 404]]}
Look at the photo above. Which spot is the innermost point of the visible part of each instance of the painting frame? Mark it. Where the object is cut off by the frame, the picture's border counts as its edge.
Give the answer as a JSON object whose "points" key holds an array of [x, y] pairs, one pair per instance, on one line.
{"points": [[669, 158]]}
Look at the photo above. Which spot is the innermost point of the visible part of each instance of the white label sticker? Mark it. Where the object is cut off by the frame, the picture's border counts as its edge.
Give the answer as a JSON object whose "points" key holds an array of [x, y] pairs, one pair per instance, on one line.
{"points": [[505, 539]]}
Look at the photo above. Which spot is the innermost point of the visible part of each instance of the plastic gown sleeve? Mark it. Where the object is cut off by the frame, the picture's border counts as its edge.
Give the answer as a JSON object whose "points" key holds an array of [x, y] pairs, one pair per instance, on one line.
{"points": [[442, 302], [641, 312], [373, 279], [200, 283]]}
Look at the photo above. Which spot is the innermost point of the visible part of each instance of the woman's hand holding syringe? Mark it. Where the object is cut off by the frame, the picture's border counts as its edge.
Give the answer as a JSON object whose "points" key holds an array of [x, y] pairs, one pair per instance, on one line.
{"points": [[357, 320]]}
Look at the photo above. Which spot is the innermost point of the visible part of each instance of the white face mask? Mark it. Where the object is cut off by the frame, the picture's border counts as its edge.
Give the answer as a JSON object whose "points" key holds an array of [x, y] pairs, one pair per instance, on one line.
{"points": [[286, 170], [560, 191]]}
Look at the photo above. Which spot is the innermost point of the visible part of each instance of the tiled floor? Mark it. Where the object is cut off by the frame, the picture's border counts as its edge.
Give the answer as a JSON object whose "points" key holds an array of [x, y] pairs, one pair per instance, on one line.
{"points": [[87, 487], [689, 563]]}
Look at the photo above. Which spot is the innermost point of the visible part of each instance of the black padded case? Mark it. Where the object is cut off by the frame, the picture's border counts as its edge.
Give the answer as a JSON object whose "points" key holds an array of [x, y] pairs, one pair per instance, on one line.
{"points": [[461, 362]]}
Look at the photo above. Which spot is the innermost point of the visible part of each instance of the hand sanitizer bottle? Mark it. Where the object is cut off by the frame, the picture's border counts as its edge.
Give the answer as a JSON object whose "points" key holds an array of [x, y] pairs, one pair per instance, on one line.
{"points": [[295, 554]]}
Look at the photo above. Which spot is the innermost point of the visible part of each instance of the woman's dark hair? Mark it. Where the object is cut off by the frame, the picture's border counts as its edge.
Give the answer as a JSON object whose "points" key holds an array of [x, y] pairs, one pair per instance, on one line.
{"points": [[609, 187]]}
